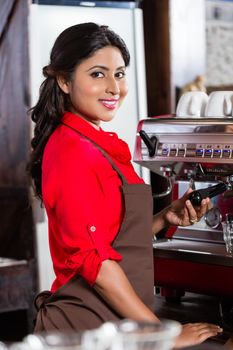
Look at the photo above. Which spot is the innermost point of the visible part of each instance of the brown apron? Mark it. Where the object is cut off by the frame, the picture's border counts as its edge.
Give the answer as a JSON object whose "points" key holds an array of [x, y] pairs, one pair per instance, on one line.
{"points": [[76, 305]]}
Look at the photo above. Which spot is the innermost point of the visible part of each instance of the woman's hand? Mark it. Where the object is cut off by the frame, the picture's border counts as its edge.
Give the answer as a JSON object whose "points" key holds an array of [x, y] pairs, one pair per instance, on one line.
{"points": [[182, 213], [196, 333]]}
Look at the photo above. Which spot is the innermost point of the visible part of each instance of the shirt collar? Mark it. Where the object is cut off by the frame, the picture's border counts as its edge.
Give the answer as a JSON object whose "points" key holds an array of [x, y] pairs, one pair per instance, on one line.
{"points": [[108, 141]]}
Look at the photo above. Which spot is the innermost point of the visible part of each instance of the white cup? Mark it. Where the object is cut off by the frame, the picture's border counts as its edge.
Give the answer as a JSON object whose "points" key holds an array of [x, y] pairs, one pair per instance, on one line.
{"points": [[192, 104], [220, 104]]}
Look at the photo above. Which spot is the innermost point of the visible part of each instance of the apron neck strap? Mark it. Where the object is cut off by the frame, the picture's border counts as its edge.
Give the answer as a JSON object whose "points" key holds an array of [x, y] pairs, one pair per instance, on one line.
{"points": [[122, 177]]}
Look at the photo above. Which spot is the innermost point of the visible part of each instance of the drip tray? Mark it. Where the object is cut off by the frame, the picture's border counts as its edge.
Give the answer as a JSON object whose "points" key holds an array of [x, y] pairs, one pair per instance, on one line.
{"points": [[203, 252]]}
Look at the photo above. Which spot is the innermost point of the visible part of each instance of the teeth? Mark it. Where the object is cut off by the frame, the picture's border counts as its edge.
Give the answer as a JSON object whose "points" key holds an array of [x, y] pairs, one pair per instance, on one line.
{"points": [[110, 102]]}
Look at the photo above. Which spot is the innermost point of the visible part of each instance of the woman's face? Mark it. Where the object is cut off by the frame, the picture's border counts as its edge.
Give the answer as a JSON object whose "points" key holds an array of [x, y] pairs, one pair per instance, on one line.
{"points": [[98, 86]]}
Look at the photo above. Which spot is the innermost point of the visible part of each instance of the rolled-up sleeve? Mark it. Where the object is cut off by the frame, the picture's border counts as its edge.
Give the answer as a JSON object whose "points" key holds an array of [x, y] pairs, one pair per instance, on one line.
{"points": [[81, 241]]}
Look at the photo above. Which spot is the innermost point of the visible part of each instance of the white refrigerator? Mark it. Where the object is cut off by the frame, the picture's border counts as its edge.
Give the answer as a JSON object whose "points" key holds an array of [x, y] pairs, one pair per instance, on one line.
{"points": [[47, 19]]}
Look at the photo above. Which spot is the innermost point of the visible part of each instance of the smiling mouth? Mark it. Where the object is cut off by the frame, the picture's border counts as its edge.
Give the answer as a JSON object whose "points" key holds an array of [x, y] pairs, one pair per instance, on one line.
{"points": [[109, 104]]}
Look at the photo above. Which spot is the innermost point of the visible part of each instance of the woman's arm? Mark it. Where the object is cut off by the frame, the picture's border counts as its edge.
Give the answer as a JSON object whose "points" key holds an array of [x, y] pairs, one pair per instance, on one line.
{"points": [[115, 288], [159, 221]]}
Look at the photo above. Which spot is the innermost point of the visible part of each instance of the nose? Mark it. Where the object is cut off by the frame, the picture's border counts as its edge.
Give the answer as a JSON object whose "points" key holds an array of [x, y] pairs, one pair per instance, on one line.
{"points": [[113, 86]]}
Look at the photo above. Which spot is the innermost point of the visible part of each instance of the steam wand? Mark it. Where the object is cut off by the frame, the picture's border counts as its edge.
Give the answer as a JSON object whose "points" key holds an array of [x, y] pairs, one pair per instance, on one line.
{"points": [[150, 142]]}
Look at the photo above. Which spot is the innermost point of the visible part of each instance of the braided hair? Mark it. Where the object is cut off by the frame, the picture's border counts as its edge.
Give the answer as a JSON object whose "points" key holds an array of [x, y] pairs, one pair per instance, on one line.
{"points": [[72, 46]]}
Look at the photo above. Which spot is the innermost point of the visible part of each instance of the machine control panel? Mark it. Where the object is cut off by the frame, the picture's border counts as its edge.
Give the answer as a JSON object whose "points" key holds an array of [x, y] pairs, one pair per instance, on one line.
{"points": [[190, 150], [203, 146]]}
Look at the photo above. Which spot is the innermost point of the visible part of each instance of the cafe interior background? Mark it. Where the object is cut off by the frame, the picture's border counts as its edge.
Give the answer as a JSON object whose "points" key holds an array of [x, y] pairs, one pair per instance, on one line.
{"points": [[185, 45]]}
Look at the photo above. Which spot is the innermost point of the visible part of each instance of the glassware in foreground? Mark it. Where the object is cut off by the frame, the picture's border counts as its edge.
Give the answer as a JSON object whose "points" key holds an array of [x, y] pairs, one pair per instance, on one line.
{"points": [[133, 335], [227, 227], [122, 335]]}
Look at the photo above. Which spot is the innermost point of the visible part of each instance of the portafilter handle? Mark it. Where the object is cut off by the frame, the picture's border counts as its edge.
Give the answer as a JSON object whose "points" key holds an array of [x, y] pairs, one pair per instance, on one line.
{"points": [[196, 196]]}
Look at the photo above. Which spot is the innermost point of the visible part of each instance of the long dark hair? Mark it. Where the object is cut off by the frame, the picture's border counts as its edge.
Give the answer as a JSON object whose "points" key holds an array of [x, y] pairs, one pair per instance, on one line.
{"points": [[72, 46]]}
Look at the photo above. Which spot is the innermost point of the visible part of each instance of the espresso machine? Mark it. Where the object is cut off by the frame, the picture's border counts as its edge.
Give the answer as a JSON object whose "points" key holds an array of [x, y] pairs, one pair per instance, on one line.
{"points": [[192, 151]]}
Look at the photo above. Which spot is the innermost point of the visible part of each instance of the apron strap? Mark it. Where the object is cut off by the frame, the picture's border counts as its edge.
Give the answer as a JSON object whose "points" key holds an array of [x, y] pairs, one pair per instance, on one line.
{"points": [[122, 177]]}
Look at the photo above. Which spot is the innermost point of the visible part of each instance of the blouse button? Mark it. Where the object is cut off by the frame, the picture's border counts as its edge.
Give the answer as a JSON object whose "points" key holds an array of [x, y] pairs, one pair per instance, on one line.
{"points": [[92, 228]]}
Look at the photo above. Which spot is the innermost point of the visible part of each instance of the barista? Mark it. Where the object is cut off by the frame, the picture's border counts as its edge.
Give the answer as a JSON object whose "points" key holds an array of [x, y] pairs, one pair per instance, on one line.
{"points": [[99, 210]]}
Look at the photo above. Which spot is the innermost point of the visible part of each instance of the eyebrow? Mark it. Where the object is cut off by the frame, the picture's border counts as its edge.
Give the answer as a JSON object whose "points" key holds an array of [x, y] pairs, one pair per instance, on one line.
{"points": [[104, 68]]}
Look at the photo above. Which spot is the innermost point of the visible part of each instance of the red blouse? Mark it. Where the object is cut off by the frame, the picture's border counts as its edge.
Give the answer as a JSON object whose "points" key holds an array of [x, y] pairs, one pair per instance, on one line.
{"points": [[82, 197]]}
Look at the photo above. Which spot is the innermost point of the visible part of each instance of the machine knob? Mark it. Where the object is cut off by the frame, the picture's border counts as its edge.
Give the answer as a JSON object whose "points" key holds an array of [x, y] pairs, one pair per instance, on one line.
{"points": [[196, 196], [166, 170], [150, 142]]}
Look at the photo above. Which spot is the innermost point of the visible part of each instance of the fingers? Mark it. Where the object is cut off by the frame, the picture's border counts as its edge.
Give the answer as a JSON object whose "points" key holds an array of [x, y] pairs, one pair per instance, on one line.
{"points": [[195, 214], [196, 333], [205, 331], [203, 327], [205, 204], [191, 212]]}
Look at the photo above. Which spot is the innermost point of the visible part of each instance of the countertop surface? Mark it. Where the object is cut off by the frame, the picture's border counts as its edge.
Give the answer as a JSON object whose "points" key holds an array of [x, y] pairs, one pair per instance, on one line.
{"points": [[207, 252]]}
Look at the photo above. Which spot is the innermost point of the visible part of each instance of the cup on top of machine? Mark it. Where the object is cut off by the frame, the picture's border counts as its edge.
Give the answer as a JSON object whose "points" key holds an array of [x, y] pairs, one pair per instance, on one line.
{"points": [[220, 105], [192, 104]]}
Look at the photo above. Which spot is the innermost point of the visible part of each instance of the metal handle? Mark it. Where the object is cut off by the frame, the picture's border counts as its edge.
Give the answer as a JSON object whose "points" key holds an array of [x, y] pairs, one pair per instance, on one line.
{"points": [[196, 196], [150, 142]]}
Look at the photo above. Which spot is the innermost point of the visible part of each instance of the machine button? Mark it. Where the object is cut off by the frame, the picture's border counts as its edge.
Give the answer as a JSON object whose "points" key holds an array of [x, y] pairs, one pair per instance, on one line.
{"points": [[181, 152], [217, 153], [190, 152], [164, 151], [226, 153], [173, 152], [208, 153], [199, 152]]}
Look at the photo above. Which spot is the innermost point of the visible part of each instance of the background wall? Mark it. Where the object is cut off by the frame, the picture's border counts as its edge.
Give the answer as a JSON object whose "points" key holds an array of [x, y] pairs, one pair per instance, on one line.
{"points": [[187, 42], [219, 39]]}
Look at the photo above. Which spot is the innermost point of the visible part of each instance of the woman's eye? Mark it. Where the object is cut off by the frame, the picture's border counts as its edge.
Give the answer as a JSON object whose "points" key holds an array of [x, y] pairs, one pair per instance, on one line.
{"points": [[120, 75], [97, 74]]}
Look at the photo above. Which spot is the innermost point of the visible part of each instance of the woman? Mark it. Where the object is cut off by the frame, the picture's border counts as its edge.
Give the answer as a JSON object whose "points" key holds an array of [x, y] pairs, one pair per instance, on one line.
{"points": [[99, 210]]}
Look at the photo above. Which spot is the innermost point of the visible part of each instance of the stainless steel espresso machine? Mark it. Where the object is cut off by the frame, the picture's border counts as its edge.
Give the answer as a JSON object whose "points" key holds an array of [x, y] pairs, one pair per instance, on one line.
{"points": [[195, 152]]}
